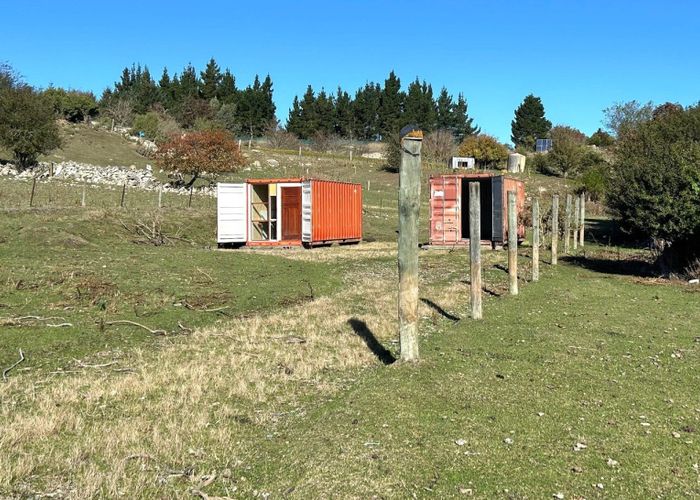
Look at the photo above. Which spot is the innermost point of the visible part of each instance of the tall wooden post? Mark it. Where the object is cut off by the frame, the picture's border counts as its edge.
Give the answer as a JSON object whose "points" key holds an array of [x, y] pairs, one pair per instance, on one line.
{"points": [[409, 205], [567, 224], [475, 248], [577, 214], [582, 219], [121, 202], [555, 228], [535, 239], [82, 200], [160, 197], [189, 200], [512, 243]]}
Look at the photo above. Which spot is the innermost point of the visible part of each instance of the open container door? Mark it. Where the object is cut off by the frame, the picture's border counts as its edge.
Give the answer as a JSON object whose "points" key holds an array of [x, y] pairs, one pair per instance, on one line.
{"points": [[306, 232], [232, 213]]}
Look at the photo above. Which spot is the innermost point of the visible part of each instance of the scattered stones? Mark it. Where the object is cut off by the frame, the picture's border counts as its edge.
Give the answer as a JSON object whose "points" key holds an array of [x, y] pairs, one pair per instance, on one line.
{"points": [[676, 434], [508, 441], [613, 463], [272, 162], [580, 447], [71, 171], [558, 495], [460, 442]]}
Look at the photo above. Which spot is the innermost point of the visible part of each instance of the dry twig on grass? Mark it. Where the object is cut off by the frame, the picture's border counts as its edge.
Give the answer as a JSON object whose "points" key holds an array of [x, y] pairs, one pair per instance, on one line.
{"points": [[134, 323], [104, 365], [7, 370]]}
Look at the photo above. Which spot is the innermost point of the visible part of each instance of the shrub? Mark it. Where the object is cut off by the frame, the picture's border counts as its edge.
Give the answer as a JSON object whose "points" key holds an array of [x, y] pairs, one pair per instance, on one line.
{"points": [[279, 138], [485, 149], [601, 139], [27, 124], [148, 124], [72, 105], [655, 185], [214, 151]]}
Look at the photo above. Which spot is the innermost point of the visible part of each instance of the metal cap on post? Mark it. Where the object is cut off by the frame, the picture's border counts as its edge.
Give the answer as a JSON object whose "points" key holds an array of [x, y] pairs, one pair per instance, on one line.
{"points": [[411, 138]]}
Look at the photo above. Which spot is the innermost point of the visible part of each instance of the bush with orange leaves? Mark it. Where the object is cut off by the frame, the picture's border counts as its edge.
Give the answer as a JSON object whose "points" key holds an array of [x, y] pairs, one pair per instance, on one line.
{"points": [[212, 151]]}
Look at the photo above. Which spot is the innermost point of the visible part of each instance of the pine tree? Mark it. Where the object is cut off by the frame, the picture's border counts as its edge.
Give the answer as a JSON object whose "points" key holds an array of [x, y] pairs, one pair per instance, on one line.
{"points": [[462, 124], [165, 96], [391, 105], [210, 80], [294, 121], [342, 114], [366, 111], [420, 107], [189, 83], [268, 105], [445, 111], [529, 123], [323, 111], [226, 91], [145, 91]]}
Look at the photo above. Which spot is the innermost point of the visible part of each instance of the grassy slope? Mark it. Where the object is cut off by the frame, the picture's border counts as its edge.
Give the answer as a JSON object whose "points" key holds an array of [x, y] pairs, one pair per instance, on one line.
{"points": [[593, 352], [573, 347]]}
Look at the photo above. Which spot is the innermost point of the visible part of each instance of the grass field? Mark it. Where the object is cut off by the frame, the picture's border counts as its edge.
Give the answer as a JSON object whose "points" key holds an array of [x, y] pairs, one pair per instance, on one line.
{"points": [[272, 374]]}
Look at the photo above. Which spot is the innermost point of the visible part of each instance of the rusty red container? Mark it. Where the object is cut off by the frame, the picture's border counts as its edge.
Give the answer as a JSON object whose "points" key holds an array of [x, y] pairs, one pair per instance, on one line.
{"points": [[449, 207], [289, 211]]}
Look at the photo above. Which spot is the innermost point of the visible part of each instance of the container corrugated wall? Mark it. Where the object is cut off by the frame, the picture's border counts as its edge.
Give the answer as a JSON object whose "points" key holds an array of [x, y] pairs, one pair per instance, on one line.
{"points": [[336, 211], [445, 209]]}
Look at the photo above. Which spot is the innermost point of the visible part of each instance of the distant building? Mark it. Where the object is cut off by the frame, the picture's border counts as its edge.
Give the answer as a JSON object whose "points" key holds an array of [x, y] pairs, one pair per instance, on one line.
{"points": [[543, 145], [462, 162]]}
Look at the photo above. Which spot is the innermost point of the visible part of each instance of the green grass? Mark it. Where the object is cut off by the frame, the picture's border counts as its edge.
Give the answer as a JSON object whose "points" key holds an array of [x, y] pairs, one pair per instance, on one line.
{"points": [[288, 396], [83, 267]]}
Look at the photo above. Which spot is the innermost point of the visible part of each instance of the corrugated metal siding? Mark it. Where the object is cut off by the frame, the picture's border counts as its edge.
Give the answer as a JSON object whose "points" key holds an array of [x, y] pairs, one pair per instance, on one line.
{"points": [[336, 211], [306, 211], [445, 225], [446, 206]]}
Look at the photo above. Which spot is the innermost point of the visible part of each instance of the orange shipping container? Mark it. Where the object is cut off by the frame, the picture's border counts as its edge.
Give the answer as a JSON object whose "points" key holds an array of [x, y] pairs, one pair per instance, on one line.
{"points": [[449, 207], [286, 212]]}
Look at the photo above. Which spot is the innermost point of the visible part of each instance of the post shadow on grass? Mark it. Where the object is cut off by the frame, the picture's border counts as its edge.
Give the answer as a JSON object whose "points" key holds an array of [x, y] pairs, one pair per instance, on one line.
{"points": [[484, 289], [439, 309], [362, 330]]}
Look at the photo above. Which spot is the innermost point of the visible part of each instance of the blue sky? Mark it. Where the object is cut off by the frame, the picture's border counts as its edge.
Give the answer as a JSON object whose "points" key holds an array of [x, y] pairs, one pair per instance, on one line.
{"points": [[578, 56]]}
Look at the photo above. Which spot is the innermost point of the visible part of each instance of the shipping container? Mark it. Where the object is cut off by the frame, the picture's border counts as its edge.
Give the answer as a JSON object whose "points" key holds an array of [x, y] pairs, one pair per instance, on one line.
{"points": [[288, 212], [449, 207]]}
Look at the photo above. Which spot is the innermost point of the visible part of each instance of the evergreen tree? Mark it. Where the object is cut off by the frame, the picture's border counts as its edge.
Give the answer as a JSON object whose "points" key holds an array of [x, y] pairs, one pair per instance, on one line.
{"points": [[295, 120], [420, 107], [323, 111], [145, 91], [445, 111], [366, 111], [226, 92], [529, 123], [391, 105], [268, 105], [189, 83], [342, 114], [462, 124], [210, 80], [165, 95]]}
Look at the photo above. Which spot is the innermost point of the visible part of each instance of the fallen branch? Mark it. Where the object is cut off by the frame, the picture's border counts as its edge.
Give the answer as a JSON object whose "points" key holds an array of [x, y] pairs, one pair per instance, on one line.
{"points": [[184, 328], [134, 323], [104, 365], [59, 325], [7, 370]]}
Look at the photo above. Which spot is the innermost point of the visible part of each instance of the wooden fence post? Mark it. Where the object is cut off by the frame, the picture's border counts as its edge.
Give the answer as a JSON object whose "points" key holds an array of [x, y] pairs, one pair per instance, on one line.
{"points": [[535, 239], [555, 228], [475, 248], [512, 243], [82, 199], [31, 196], [582, 219], [160, 196], [189, 201], [567, 224], [121, 203], [409, 205], [577, 214]]}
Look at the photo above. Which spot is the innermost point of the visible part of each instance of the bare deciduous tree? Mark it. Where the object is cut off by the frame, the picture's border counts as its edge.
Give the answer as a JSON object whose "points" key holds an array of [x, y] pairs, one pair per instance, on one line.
{"points": [[121, 111]]}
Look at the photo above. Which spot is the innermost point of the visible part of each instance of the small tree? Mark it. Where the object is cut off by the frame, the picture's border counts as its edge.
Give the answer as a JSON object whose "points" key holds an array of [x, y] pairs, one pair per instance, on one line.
{"points": [[485, 149], [623, 117], [279, 138], [121, 110], [439, 146], [529, 123], [213, 151], [27, 124]]}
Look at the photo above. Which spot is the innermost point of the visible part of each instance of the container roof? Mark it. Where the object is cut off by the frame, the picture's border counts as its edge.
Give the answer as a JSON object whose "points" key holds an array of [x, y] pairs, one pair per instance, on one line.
{"points": [[275, 180]]}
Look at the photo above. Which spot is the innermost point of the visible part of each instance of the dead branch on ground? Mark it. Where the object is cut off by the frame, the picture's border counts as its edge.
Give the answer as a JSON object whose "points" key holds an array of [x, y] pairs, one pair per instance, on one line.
{"points": [[134, 323], [7, 370]]}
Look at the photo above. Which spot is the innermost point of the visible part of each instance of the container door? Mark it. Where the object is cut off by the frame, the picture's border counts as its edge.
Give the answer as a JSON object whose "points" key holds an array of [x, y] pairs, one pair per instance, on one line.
{"points": [[498, 204], [291, 213], [232, 214], [445, 209], [306, 211]]}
